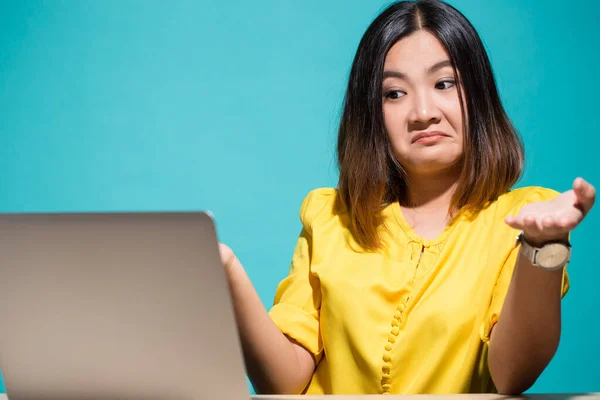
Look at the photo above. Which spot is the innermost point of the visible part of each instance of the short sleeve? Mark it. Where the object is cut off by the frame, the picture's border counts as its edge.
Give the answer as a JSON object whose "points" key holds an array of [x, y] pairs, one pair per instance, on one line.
{"points": [[298, 297], [505, 276]]}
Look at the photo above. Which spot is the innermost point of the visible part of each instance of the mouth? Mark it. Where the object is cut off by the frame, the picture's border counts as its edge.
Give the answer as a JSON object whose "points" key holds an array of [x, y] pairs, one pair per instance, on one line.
{"points": [[428, 137]]}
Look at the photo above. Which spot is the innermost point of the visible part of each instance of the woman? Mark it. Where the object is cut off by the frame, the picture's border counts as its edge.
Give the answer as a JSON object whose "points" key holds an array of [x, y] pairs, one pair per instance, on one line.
{"points": [[407, 278]]}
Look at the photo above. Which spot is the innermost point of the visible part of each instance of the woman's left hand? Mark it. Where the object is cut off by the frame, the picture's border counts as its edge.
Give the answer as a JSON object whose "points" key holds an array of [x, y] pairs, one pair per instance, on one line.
{"points": [[545, 221]]}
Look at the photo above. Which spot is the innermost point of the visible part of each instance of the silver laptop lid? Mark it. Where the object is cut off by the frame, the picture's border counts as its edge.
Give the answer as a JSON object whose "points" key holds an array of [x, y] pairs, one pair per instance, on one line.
{"points": [[116, 306]]}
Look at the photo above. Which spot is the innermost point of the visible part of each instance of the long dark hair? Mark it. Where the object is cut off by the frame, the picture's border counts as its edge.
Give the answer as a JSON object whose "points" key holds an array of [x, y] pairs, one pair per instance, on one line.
{"points": [[370, 176]]}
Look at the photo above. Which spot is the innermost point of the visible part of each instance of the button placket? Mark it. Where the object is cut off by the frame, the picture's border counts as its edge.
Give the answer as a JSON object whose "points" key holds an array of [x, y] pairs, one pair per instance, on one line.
{"points": [[387, 356], [417, 248]]}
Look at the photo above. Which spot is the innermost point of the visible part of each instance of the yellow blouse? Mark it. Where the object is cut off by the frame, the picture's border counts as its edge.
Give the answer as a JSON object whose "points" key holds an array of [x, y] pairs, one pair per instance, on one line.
{"points": [[415, 318]]}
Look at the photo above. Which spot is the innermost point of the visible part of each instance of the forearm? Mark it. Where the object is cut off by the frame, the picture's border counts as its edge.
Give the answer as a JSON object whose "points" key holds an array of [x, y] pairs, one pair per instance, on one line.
{"points": [[273, 363], [528, 332]]}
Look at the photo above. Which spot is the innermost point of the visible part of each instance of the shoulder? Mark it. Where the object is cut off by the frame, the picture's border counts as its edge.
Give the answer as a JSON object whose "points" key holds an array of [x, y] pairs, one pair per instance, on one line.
{"points": [[517, 198], [320, 203]]}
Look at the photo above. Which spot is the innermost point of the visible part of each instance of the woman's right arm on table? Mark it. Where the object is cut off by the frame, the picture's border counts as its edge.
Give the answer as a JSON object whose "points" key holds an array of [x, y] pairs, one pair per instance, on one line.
{"points": [[275, 364]]}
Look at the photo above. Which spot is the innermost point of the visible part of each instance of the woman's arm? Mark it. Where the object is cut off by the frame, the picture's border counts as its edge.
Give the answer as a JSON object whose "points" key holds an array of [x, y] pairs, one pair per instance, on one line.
{"points": [[274, 364], [528, 331]]}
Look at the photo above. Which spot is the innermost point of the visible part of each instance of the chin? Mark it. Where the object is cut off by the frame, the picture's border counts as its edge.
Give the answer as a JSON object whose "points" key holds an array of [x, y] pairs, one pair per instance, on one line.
{"points": [[430, 160], [432, 166]]}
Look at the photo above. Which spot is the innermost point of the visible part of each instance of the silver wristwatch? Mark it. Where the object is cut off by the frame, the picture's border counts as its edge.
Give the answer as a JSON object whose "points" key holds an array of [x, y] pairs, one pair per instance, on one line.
{"points": [[551, 256]]}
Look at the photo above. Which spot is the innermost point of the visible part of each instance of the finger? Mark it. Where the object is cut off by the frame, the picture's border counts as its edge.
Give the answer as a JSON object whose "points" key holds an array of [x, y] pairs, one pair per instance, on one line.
{"points": [[226, 254], [585, 194], [514, 222], [559, 225], [563, 222], [568, 224], [579, 187], [532, 226], [551, 225], [548, 223]]}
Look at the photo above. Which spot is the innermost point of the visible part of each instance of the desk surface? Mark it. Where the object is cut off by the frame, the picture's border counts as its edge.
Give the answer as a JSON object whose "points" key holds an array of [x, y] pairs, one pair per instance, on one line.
{"points": [[578, 396], [562, 396]]}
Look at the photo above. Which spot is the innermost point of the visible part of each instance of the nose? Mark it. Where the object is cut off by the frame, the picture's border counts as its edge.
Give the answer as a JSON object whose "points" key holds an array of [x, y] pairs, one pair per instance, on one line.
{"points": [[424, 109]]}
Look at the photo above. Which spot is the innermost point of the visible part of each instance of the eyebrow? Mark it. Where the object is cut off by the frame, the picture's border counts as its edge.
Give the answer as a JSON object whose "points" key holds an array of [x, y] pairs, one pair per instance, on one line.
{"points": [[435, 67]]}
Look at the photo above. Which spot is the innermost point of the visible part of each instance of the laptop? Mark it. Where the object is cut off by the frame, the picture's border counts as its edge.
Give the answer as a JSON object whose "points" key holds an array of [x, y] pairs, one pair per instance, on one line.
{"points": [[116, 306]]}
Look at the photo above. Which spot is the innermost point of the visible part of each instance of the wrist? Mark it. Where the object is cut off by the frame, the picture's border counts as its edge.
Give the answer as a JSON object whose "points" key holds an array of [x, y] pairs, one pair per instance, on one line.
{"points": [[549, 252], [541, 240]]}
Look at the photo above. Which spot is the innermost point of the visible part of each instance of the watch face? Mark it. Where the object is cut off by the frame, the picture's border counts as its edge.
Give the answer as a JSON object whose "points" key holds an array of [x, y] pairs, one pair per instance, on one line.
{"points": [[553, 255]]}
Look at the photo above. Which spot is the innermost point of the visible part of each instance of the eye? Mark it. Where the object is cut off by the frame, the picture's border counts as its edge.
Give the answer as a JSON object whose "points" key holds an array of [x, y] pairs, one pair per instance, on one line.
{"points": [[394, 94], [444, 85]]}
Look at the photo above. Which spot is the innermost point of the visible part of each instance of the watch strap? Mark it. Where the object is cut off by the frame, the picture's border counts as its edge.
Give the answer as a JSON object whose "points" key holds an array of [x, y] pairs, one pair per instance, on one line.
{"points": [[531, 252]]}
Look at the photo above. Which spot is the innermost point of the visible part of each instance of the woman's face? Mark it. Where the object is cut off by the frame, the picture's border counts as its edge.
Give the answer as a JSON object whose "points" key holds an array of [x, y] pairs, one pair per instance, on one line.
{"points": [[421, 106]]}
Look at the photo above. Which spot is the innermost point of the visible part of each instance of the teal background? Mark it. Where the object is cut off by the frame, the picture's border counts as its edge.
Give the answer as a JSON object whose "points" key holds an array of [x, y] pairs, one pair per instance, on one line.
{"points": [[232, 106]]}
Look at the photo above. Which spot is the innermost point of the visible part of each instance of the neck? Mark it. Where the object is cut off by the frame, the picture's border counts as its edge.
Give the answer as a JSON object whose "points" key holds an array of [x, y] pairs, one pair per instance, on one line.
{"points": [[432, 193]]}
